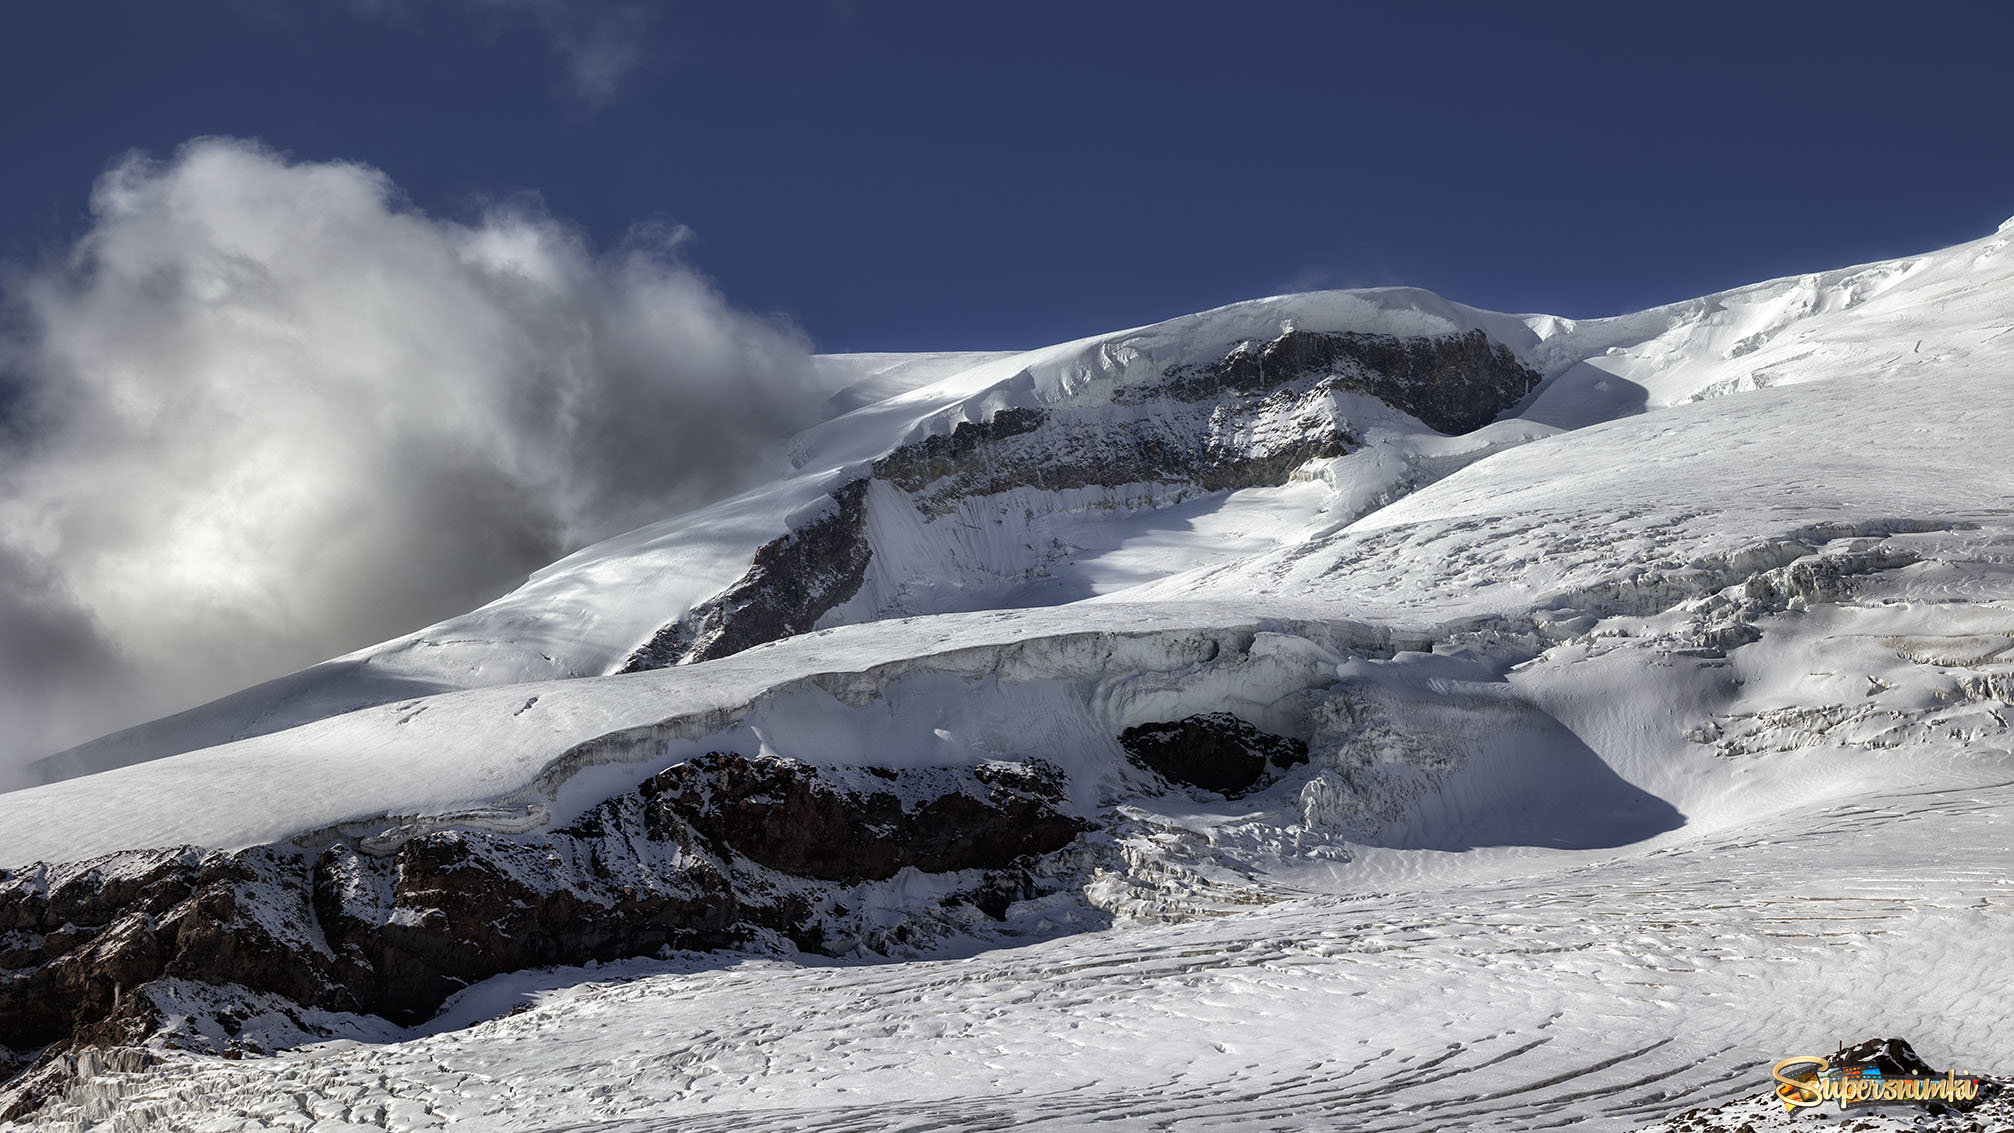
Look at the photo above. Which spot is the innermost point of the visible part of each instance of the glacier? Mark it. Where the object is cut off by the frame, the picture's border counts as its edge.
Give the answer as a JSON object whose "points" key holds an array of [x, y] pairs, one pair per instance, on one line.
{"points": [[1653, 673]]}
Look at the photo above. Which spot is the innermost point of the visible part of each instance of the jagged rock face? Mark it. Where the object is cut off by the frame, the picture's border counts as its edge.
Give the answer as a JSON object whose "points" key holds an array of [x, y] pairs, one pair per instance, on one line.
{"points": [[1215, 751], [1247, 419], [793, 581], [784, 815], [914, 467], [710, 853], [1229, 447], [76, 950], [1454, 383]]}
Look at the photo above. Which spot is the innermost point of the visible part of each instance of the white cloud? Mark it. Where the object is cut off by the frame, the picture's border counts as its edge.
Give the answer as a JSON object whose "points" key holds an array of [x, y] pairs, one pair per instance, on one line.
{"points": [[271, 413]]}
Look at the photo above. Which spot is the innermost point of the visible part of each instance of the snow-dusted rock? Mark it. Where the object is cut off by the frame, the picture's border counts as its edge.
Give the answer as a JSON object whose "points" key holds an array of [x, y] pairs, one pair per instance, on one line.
{"points": [[1652, 675]]}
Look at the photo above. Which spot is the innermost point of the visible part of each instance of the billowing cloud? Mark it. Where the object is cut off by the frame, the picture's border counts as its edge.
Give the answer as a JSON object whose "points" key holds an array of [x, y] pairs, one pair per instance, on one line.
{"points": [[267, 412]]}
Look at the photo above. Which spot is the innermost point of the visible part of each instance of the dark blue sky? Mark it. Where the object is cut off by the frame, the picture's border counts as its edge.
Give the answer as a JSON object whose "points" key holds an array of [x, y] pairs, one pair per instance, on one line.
{"points": [[935, 175]]}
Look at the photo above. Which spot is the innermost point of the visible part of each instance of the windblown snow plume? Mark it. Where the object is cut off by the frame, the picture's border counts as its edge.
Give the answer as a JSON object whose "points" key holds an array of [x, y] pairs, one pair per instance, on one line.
{"points": [[267, 411]]}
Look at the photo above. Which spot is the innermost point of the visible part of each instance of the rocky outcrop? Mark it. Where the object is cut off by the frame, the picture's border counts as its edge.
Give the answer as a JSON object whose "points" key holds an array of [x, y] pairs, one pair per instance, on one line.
{"points": [[1074, 447], [917, 465], [1890, 1056], [1215, 751], [793, 581], [1248, 419], [1453, 383], [79, 940], [1081, 448], [715, 852], [787, 817]]}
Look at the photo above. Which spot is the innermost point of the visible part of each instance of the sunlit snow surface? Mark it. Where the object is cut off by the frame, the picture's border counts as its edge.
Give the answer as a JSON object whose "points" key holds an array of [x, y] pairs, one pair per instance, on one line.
{"points": [[1671, 852], [1506, 992]]}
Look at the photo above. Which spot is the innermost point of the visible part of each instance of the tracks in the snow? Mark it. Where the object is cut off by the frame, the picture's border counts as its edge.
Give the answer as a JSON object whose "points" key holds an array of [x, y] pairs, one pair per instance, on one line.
{"points": [[1600, 990]]}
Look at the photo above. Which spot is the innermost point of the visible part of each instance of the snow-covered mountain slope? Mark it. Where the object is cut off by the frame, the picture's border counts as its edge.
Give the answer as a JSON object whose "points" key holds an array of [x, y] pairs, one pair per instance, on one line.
{"points": [[1537, 670], [1447, 992], [983, 545], [1920, 314], [1629, 518], [863, 379], [1049, 543]]}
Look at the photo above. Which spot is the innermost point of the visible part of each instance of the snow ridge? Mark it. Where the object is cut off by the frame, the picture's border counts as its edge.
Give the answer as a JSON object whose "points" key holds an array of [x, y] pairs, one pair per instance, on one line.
{"points": [[1374, 707]]}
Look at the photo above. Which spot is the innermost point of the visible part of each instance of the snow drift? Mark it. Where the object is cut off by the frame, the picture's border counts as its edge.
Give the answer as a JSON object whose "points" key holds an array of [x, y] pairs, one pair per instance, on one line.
{"points": [[1504, 718]]}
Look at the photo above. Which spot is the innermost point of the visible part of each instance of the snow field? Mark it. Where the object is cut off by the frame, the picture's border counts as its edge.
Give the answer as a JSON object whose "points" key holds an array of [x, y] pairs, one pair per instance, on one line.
{"points": [[1642, 754]]}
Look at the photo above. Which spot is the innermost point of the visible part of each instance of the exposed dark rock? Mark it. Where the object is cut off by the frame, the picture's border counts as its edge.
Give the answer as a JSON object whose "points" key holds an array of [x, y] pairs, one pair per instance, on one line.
{"points": [[1890, 1056], [784, 815], [1453, 383], [452, 907], [77, 949], [793, 580], [914, 467], [798, 578], [1080, 448], [1215, 751], [710, 853], [1273, 416]]}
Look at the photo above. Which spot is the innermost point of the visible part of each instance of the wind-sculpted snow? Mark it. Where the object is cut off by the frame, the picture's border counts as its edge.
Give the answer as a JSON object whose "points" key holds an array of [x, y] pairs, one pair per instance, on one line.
{"points": [[955, 690], [1938, 317], [1662, 505], [1438, 992], [715, 851], [1585, 764], [649, 596], [1935, 315], [1553, 767]]}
